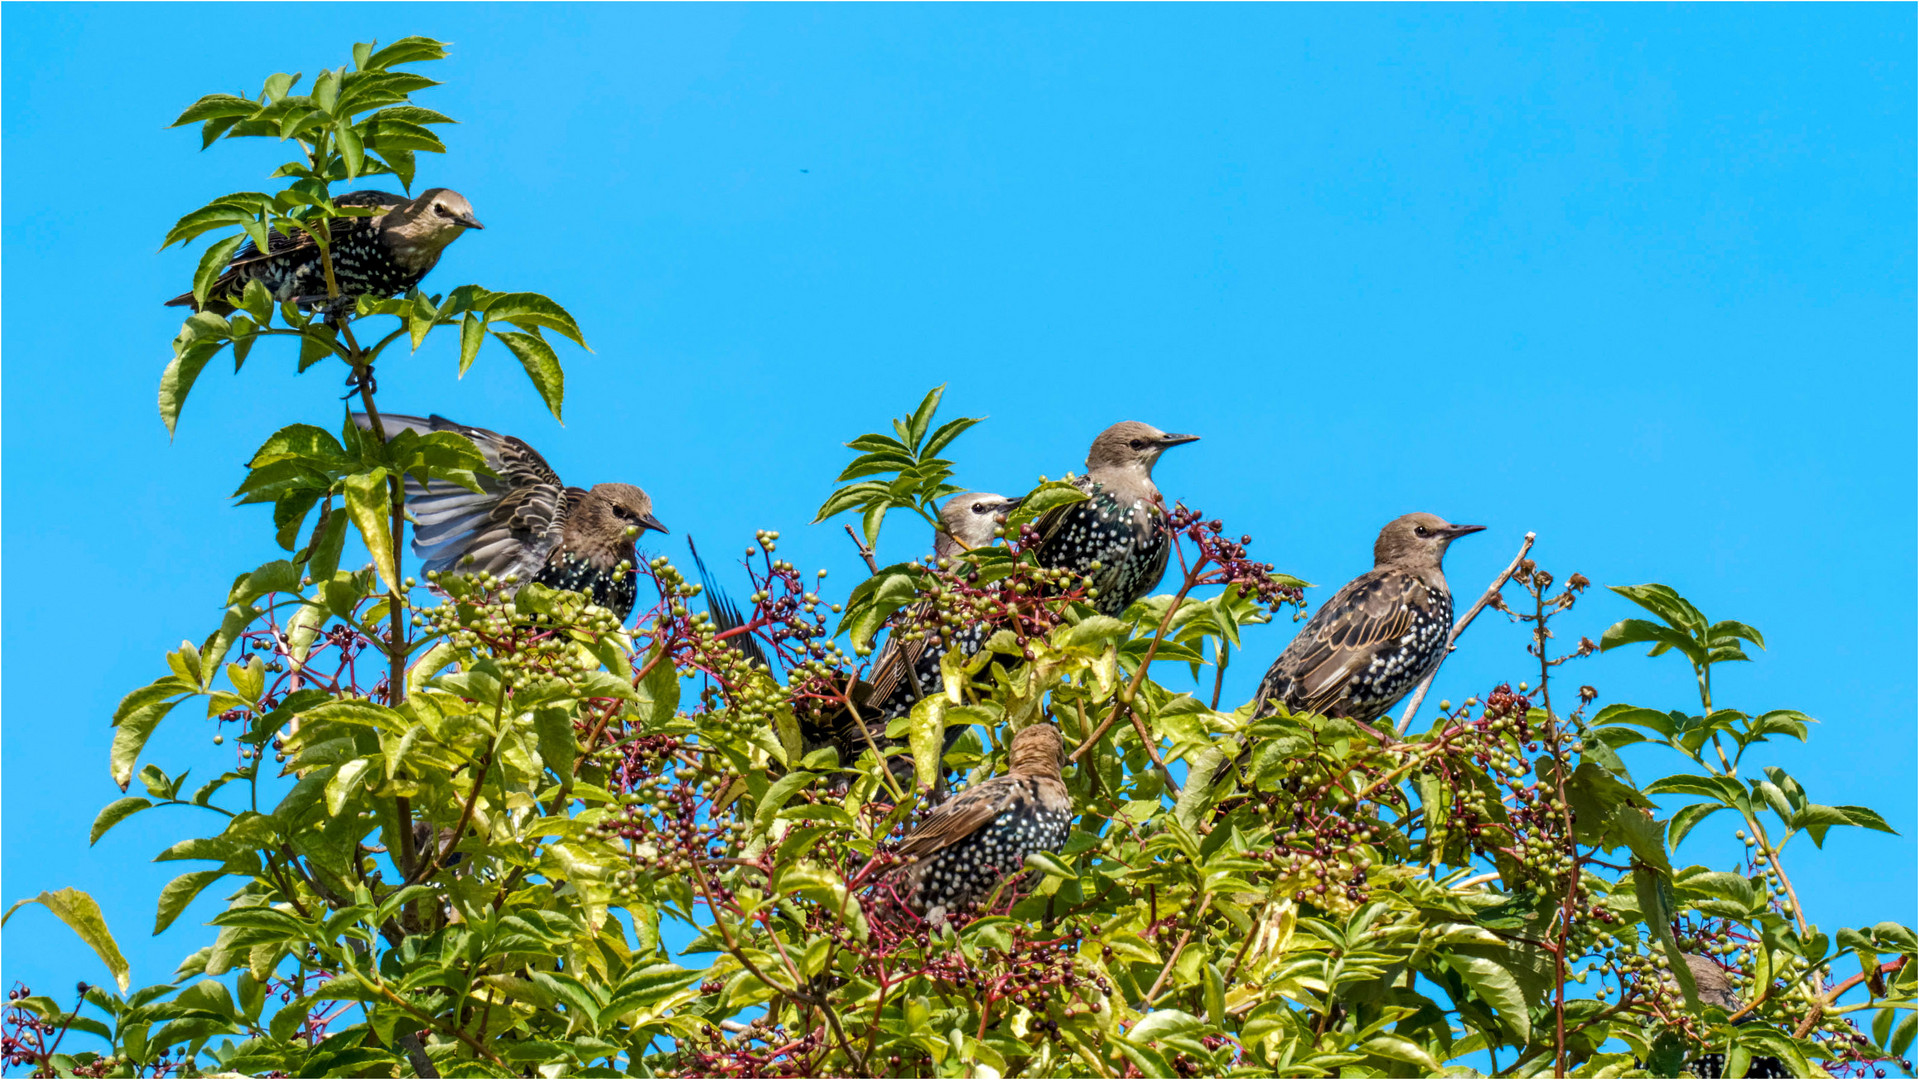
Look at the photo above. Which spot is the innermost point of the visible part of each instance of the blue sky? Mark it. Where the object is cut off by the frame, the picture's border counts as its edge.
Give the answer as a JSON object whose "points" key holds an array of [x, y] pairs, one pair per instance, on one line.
{"points": [[1640, 279]]}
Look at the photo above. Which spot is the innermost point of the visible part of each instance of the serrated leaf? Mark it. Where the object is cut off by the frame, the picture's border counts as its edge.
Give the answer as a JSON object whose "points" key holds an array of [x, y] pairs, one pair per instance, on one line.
{"points": [[541, 365], [82, 914], [366, 495]]}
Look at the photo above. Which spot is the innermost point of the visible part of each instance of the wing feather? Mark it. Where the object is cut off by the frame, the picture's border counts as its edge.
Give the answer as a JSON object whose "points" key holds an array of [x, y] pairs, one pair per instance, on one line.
{"points": [[961, 816]]}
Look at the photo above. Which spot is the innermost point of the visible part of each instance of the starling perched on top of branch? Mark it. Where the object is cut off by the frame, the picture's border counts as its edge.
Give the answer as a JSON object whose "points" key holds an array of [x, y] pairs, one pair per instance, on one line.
{"points": [[1122, 524], [382, 256], [982, 835], [1377, 637], [526, 522]]}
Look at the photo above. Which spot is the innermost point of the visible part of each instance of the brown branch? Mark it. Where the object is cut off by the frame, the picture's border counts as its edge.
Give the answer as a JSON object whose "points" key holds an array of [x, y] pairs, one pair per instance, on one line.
{"points": [[1492, 591], [1153, 994], [866, 553]]}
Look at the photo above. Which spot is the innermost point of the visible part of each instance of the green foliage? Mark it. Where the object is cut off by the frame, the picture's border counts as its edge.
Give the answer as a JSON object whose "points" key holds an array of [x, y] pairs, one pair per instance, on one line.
{"points": [[462, 822], [920, 477], [357, 121]]}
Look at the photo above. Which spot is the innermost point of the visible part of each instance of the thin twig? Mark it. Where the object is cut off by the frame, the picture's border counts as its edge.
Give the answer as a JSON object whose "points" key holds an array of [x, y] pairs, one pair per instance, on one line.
{"points": [[1492, 591], [866, 553]]}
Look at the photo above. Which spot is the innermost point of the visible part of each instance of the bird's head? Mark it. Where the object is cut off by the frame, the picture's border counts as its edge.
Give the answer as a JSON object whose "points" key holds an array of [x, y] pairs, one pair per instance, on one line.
{"points": [[1417, 540], [967, 521], [437, 218], [1037, 751], [1130, 446], [614, 509]]}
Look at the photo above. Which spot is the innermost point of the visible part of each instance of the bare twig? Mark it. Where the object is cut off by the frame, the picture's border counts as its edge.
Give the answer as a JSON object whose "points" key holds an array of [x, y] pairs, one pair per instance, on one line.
{"points": [[866, 553], [1492, 591]]}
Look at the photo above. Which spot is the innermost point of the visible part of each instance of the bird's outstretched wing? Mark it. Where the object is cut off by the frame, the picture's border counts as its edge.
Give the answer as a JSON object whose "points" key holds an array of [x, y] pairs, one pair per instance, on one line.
{"points": [[1341, 639], [961, 816], [510, 526]]}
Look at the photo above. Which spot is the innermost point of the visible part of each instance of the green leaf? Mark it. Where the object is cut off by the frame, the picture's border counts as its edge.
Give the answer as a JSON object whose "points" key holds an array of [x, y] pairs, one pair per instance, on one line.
{"points": [[472, 335], [531, 311], [536, 356], [82, 914], [130, 736], [1665, 602], [180, 892], [115, 812], [341, 787], [1497, 987], [367, 506], [212, 263], [1401, 1049], [1631, 631], [176, 382]]}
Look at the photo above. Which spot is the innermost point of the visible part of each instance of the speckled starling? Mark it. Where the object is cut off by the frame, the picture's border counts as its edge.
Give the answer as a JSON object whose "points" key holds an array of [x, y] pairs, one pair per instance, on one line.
{"points": [[981, 836], [1122, 524], [381, 256], [1715, 988], [1378, 636], [905, 671], [526, 522]]}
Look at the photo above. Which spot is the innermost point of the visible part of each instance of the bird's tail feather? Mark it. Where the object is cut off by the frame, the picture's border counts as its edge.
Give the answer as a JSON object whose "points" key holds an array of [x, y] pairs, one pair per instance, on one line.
{"points": [[726, 614]]}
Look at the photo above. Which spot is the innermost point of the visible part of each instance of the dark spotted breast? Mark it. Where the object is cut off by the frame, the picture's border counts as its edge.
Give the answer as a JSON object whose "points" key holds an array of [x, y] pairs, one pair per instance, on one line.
{"points": [[1128, 541], [965, 873], [614, 591]]}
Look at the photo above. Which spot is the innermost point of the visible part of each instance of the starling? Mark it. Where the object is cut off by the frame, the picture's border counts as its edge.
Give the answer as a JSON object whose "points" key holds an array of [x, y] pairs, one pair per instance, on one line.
{"points": [[971, 842], [905, 671], [384, 255], [1121, 525], [1715, 988], [1378, 636], [524, 521]]}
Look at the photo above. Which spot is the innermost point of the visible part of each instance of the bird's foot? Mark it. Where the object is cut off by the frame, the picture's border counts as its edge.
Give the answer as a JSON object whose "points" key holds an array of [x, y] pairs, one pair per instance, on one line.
{"points": [[360, 380]]}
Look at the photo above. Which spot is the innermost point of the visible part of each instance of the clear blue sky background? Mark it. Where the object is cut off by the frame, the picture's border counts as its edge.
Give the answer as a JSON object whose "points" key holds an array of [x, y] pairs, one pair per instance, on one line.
{"points": [[1638, 278]]}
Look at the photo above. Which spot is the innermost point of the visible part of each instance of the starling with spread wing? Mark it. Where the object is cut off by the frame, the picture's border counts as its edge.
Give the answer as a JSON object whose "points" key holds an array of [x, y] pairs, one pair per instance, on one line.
{"points": [[1377, 637], [981, 836], [1121, 526], [525, 521], [382, 255]]}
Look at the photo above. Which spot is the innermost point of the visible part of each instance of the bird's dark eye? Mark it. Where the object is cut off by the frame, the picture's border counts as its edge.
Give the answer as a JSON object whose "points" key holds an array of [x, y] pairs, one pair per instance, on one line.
{"points": [[979, 508], [442, 210], [1421, 530], [1138, 444]]}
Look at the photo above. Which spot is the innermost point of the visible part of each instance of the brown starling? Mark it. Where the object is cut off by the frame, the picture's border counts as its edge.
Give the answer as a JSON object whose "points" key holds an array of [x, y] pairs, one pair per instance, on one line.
{"points": [[1121, 525], [971, 842], [1715, 988], [905, 671], [525, 521], [1378, 636], [384, 255]]}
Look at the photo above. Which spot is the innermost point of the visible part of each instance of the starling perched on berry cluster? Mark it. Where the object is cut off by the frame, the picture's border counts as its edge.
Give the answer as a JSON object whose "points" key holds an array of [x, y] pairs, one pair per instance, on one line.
{"points": [[1377, 637], [526, 522], [1121, 525], [384, 255], [971, 842], [906, 671], [1715, 988]]}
